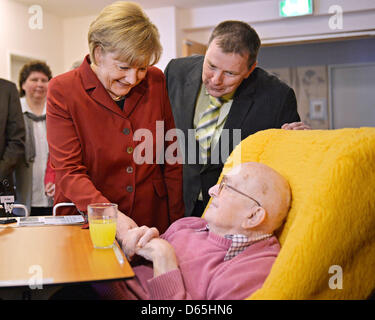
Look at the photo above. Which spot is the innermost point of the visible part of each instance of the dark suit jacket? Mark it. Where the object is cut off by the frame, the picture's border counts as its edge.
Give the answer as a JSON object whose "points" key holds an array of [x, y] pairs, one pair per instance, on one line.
{"points": [[12, 131], [92, 145], [261, 102]]}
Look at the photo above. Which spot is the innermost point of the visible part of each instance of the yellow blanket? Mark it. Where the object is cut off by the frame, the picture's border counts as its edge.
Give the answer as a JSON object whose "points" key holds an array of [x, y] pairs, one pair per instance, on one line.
{"points": [[328, 241]]}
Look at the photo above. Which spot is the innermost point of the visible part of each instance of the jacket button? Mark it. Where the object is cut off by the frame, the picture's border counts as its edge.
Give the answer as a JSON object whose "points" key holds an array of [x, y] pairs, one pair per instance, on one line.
{"points": [[129, 188], [129, 149], [129, 169], [126, 131]]}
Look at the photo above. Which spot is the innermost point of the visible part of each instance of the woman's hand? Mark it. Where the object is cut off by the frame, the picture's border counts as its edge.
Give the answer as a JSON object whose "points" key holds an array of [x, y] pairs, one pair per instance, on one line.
{"points": [[49, 189], [124, 224]]}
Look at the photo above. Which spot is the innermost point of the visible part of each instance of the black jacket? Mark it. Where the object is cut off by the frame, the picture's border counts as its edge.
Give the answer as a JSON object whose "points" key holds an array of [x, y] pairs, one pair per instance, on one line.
{"points": [[261, 102], [12, 133]]}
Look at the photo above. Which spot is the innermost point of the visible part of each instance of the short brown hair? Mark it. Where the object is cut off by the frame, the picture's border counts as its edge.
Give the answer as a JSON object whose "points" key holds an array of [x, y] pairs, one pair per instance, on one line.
{"points": [[237, 37], [38, 66], [125, 29]]}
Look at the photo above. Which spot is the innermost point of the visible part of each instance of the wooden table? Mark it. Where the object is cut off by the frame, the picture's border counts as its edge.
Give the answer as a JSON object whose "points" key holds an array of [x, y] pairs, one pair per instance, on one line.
{"points": [[55, 255]]}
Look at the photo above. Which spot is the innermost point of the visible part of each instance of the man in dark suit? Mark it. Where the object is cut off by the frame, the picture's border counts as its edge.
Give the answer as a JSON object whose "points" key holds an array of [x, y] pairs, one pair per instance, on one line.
{"points": [[248, 100], [12, 134]]}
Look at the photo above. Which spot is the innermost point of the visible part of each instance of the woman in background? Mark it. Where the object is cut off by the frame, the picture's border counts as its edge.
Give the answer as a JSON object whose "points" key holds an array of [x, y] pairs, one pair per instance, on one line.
{"points": [[33, 83]]}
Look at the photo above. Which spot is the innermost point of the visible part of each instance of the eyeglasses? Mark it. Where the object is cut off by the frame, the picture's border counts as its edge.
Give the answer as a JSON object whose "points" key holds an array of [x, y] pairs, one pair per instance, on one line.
{"points": [[224, 184]]}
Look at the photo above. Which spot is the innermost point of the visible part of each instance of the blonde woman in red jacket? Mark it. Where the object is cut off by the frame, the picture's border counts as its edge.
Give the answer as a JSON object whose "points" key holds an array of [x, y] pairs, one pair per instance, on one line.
{"points": [[100, 114]]}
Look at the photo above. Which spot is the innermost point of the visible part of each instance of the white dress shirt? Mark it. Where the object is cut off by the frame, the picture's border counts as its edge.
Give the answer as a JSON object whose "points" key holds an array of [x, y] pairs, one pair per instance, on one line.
{"points": [[38, 197]]}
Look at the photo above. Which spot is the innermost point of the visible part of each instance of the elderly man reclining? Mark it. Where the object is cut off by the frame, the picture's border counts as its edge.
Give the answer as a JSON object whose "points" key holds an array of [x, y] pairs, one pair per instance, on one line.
{"points": [[225, 255]]}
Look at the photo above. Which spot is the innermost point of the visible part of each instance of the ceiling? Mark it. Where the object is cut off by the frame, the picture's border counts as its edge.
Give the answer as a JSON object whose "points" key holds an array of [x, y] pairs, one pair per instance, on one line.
{"points": [[74, 8]]}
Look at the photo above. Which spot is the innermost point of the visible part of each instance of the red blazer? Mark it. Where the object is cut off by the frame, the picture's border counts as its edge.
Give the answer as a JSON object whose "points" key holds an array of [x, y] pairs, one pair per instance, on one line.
{"points": [[91, 144], [50, 174]]}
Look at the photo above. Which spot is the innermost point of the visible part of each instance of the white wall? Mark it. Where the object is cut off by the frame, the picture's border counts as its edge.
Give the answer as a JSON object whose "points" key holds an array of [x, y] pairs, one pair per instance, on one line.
{"points": [[165, 20], [358, 17], [196, 24], [75, 41], [17, 38], [64, 41]]}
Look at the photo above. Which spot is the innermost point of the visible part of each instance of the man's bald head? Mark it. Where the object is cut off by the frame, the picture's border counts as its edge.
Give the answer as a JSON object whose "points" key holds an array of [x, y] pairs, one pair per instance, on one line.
{"points": [[271, 189], [254, 198]]}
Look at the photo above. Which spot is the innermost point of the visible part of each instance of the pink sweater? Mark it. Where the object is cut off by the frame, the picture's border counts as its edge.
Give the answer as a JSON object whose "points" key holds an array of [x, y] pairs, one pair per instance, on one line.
{"points": [[203, 273]]}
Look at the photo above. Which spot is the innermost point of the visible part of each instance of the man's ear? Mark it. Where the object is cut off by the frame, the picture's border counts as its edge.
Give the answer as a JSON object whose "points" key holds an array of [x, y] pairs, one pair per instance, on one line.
{"points": [[251, 69], [254, 218]]}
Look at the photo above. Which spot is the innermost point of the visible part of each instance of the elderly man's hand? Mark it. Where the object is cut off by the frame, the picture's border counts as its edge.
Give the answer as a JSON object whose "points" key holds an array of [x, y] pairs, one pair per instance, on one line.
{"points": [[137, 238], [296, 126], [162, 255], [124, 223]]}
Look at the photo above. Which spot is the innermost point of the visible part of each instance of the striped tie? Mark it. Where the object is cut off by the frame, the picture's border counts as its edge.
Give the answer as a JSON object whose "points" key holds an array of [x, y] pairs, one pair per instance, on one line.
{"points": [[207, 125]]}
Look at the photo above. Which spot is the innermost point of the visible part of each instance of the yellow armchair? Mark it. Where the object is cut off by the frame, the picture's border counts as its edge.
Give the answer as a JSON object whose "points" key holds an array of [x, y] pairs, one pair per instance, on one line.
{"points": [[328, 240]]}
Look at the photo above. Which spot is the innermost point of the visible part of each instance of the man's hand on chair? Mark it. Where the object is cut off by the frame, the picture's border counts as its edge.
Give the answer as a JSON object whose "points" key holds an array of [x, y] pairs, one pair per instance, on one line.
{"points": [[296, 126]]}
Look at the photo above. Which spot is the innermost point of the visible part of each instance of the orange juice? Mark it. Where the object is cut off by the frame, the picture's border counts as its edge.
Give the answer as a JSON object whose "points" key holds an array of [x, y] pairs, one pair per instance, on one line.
{"points": [[103, 232]]}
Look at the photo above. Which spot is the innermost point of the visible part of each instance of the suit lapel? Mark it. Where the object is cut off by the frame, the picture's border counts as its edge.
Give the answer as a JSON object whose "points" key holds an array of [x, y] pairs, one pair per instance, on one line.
{"points": [[95, 89], [242, 103], [102, 97], [133, 97], [193, 84]]}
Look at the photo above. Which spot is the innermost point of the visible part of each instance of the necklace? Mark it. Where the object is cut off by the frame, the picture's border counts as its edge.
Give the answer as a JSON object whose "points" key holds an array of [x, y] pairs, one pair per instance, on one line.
{"points": [[118, 98]]}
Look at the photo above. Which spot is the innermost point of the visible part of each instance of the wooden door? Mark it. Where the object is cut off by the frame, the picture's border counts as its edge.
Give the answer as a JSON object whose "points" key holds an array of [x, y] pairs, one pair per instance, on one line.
{"points": [[190, 48]]}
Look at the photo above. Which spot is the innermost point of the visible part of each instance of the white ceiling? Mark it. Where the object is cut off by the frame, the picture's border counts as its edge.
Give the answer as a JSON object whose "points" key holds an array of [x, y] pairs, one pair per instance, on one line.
{"points": [[74, 8]]}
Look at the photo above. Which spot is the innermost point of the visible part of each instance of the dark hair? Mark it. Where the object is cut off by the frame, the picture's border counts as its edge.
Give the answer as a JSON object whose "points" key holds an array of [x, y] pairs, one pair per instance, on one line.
{"points": [[237, 37], [32, 66]]}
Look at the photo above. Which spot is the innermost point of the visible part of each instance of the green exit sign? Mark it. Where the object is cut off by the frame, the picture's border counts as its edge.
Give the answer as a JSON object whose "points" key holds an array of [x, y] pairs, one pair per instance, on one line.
{"points": [[293, 8]]}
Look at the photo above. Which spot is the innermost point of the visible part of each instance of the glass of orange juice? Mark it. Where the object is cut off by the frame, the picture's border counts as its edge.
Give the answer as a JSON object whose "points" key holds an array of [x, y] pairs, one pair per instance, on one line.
{"points": [[102, 224]]}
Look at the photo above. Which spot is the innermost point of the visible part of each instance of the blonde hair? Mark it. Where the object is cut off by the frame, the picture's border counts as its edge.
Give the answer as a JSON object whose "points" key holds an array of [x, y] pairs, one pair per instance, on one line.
{"points": [[124, 28]]}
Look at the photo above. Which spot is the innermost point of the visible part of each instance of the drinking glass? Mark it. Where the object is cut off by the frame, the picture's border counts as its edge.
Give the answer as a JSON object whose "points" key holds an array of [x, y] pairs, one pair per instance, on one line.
{"points": [[102, 224]]}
